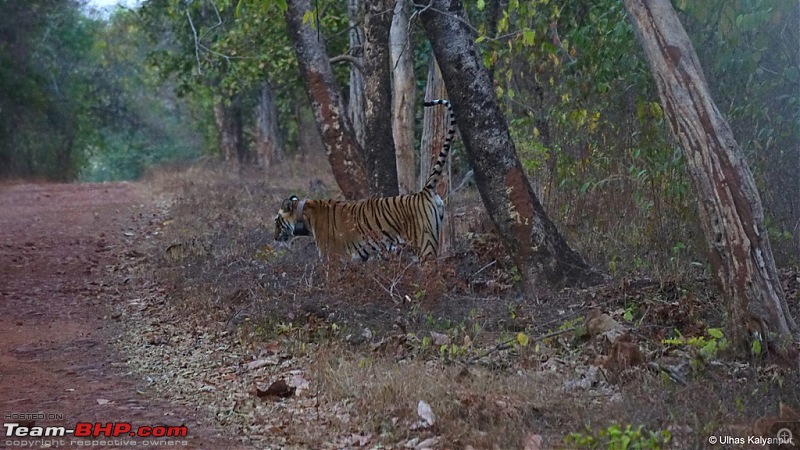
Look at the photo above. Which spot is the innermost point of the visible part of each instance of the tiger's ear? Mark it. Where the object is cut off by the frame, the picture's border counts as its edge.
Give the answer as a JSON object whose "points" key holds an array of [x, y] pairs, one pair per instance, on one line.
{"points": [[290, 204]]}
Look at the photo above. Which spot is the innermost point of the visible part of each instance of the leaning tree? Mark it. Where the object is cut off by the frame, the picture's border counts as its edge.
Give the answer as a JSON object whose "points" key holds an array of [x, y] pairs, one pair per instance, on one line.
{"points": [[535, 244], [729, 205], [336, 129]]}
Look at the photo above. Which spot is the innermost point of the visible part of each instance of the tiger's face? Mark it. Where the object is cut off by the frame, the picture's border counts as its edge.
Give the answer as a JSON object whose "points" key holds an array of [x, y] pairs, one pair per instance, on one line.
{"points": [[287, 224]]}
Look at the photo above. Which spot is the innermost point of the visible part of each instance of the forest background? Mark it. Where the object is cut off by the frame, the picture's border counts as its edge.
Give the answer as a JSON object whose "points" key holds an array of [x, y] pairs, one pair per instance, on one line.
{"points": [[105, 95]]}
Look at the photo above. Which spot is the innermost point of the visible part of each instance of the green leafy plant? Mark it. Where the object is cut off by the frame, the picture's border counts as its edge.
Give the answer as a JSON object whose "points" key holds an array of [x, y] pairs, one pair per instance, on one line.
{"points": [[617, 438], [707, 346], [627, 315]]}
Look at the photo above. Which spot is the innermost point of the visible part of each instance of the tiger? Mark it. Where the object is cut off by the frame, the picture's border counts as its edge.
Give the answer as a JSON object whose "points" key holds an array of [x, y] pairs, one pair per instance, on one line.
{"points": [[367, 227]]}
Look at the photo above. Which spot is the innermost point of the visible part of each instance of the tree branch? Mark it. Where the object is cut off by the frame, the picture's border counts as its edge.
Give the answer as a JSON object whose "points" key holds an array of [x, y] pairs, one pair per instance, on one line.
{"points": [[196, 43], [348, 58]]}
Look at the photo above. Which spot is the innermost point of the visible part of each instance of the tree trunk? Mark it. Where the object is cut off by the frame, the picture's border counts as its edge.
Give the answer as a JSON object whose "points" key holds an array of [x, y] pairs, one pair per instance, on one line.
{"points": [[404, 88], [434, 128], [227, 137], [729, 205], [540, 252], [64, 159], [355, 105], [237, 129], [378, 141], [309, 141], [269, 148], [434, 132], [336, 130]]}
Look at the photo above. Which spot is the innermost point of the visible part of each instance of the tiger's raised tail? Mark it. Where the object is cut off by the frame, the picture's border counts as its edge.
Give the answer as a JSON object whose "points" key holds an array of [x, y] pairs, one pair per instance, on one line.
{"points": [[436, 171]]}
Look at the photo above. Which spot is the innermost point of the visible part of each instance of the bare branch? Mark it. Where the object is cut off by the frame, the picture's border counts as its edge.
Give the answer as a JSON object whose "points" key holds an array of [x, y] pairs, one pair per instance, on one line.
{"points": [[216, 10], [196, 42], [348, 58], [430, 7]]}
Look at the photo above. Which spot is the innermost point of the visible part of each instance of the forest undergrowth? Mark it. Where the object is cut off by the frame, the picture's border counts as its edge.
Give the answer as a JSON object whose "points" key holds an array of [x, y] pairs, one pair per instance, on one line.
{"points": [[287, 351]]}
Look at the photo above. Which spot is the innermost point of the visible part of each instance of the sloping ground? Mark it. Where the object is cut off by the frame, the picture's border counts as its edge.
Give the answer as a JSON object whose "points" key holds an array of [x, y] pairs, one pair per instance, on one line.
{"points": [[59, 246], [179, 310], [224, 313]]}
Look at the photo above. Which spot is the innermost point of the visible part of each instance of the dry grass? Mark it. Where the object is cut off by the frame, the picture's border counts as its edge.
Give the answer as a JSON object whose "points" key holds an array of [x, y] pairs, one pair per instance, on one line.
{"points": [[477, 407], [362, 334]]}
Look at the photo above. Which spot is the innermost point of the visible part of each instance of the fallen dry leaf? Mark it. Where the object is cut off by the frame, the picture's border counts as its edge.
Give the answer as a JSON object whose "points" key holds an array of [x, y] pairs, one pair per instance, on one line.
{"points": [[272, 347], [623, 355], [298, 382], [427, 443], [277, 389], [533, 442], [600, 324], [426, 413], [268, 361], [358, 440], [440, 339]]}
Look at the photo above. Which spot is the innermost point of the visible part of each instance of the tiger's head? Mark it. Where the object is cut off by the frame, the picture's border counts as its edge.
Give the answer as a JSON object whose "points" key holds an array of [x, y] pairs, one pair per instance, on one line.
{"points": [[289, 221]]}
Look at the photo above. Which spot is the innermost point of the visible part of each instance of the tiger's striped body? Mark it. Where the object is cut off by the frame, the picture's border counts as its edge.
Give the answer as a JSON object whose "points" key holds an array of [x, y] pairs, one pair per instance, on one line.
{"points": [[366, 227]]}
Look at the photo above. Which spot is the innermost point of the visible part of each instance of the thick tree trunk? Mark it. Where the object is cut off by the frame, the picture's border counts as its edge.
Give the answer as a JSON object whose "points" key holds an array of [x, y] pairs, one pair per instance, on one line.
{"points": [[243, 155], [729, 205], [378, 141], [434, 132], [309, 141], [337, 132], [403, 90], [538, 249], [227, 138], [434, 128], [269, 147], [355, 105]]}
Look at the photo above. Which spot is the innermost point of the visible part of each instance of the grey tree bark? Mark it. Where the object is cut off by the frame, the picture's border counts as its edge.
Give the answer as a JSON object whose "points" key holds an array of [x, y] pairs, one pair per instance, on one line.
{"points": [[355, 104], [729, 205], [538, 249], [344, 152], [379, 150], [230, 131], [403, 90], [269, 147]]}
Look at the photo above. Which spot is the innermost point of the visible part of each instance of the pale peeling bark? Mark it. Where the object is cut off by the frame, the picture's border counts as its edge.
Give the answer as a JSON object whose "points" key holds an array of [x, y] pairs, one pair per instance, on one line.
{"points": [[403, 90], [378, 140], [434, 132], [434, 128], [336, 130], [729, 205], [269, 147], [530, 237]]}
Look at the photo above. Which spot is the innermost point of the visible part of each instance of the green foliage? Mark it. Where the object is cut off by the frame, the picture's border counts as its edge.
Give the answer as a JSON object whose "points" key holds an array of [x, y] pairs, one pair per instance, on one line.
{"points": [[43, 87], [77, 101], [139, 124], [749, 50], [707, 347], [617, 438], [627, 315], [220, 52], [587, 123]]}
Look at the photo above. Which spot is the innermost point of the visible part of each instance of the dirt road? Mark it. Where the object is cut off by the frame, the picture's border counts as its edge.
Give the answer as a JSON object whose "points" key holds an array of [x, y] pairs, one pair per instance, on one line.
{"points": [[57, 367]]}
